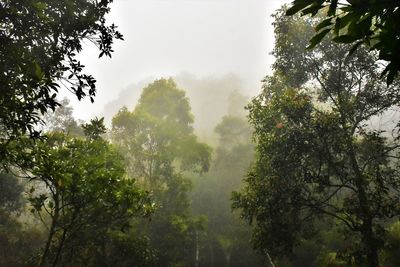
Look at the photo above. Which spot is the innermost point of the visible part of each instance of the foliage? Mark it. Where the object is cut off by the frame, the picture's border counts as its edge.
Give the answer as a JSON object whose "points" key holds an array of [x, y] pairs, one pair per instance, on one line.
{"points": [[316, 155], [39, 41], [233, 131], [227, 238], [81, 187], [11, 190], [370, 22], [159, 145], [96, 248], [95, 129], [126, 250], [62, 120], [392, 250], [159, 132], [16, 243]]}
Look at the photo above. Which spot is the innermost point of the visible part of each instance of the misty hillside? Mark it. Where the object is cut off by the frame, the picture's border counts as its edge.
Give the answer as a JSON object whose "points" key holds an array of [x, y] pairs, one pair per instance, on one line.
{"points": [[199, 133], [211, 98]]}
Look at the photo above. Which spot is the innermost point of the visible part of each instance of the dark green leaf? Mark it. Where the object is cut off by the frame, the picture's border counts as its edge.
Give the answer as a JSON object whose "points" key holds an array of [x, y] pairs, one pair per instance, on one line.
{"points": [[297, 6], [332, 8], [390, 78], [323, 24], [354, 48], [345, 39], [317, 38]]}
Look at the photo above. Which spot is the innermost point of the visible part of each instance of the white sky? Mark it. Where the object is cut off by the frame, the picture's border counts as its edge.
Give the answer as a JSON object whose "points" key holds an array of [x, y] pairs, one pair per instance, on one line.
{"points": [[167, 37]]}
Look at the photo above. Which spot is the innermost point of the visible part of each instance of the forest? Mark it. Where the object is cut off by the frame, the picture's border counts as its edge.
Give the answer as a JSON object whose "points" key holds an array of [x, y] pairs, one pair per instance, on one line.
{"points": [[193, 172]]}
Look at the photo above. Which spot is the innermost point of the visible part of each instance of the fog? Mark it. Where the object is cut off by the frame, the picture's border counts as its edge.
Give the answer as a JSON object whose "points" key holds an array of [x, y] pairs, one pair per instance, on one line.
{"points": [[207, 39], [201, 149]]}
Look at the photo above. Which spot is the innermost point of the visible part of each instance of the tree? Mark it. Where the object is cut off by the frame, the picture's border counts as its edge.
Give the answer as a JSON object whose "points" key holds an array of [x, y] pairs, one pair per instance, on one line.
{"points": [[390, 255], [159, 133], [62, 120], [227, 238], [373, 23], [11, 190], [17, 242], [159, 145], [317, 154], [79, 186], [39, 41]]}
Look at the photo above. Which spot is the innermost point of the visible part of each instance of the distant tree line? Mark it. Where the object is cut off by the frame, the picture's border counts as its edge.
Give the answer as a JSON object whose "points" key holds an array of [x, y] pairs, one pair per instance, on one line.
{"points": [[322, 184]]}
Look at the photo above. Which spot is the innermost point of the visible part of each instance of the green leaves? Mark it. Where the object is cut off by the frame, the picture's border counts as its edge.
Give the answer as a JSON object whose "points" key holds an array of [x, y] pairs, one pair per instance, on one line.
{"points": [[317, 38], [366, 22], [345, 39], [39, 48], [38, 71], [160, 128], [160, 147], [316, 157], [332, 8], [95, 129], [391, 71], [86, 188], [325, 23], [298, 5], [40, 6], [354, 48]]}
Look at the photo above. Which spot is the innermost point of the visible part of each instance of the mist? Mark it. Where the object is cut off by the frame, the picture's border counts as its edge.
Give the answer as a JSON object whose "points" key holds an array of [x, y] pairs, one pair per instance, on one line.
{"points": [[205, 38], [214, 133], [210, 99]]}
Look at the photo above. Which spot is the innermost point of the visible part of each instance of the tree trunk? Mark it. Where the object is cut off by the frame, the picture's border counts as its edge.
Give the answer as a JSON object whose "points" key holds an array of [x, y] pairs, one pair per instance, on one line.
{"points": [[373, 258], [197, 251], [52, 231], [367, 230], [269, 259], [371, 244], [60, 246], [228, 259]]}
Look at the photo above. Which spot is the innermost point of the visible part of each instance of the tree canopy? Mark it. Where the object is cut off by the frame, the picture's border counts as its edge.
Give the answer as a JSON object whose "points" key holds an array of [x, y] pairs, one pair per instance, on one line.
{"points": [[226, 237], [39, 41], [160, 147], [373, 23], [79, 186], [317, 155]]}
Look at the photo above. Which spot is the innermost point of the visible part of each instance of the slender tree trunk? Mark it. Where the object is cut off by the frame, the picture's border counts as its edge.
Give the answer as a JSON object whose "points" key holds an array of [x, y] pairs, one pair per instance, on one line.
{"points": [[47, 246], [367, 230], [52, 231], [60, 246], [197, 250], [212, 255], [269, 259], [373, 258], [228, 259]]}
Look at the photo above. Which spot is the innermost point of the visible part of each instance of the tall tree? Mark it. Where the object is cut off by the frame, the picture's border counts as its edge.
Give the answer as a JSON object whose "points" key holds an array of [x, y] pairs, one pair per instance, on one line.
{"points": [[159, 145], [62, 120], [79, 186], [227, 238], [316, 154], [18, 239], [39, 41]]}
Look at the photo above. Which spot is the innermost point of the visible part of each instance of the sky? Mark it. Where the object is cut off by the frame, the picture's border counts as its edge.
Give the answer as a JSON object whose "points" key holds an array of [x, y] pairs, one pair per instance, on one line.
{"points": [[164, 38]]}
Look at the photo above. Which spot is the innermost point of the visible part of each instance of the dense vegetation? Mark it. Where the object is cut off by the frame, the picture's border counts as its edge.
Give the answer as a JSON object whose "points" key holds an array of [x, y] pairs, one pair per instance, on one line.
{"points": [[130, 201], [370, 23], [320, 159], [322, 186]]}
